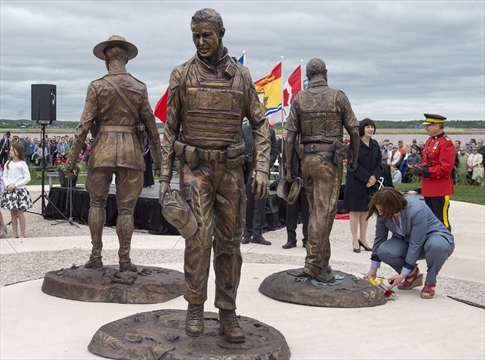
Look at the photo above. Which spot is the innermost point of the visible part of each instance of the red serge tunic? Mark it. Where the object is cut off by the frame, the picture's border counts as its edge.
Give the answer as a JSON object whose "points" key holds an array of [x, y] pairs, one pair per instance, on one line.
{"points": [[438, 159]]}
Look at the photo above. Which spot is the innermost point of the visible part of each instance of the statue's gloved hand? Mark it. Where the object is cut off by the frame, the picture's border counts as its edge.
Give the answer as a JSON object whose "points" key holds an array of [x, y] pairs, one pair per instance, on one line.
{"points": [[352, 165], [164, 190], [260, 186], [417, 170], [157, 172]]}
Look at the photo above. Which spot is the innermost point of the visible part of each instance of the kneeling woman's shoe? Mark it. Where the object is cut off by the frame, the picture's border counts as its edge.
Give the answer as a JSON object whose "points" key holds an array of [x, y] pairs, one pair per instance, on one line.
{"points": [[414, 279], [428, 291]]}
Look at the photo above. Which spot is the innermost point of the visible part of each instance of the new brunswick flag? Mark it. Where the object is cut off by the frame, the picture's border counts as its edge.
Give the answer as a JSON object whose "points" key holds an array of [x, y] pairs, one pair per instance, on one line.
{"points": [[271, 86]]}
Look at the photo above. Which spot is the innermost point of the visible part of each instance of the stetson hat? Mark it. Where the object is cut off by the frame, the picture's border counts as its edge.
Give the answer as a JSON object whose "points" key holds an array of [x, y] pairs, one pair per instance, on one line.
{"points": [[178, 213], [115, 40], [289, 190]]}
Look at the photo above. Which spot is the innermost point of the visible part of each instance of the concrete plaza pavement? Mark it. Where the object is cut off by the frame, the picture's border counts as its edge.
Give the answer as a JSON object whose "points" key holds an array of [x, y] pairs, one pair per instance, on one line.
{"points": [[38, 326]]}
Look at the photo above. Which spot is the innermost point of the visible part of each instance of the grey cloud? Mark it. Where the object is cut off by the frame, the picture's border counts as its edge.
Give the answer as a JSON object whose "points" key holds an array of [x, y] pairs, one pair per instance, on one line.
{"points": [[394, 59]]}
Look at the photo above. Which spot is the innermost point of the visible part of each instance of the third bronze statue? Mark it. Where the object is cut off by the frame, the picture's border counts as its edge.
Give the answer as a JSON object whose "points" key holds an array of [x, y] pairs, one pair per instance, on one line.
{"points": [[209, 96], [118, 113], [318, 116]]}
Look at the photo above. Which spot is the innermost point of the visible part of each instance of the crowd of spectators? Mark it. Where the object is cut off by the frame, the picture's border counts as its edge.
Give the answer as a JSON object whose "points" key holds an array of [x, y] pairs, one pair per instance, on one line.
{"points": [[469, 160], [54, 149]]}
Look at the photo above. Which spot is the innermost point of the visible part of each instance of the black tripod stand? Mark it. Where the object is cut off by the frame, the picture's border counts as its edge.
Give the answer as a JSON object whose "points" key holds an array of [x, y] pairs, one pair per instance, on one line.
{"points": [[43, 196]]}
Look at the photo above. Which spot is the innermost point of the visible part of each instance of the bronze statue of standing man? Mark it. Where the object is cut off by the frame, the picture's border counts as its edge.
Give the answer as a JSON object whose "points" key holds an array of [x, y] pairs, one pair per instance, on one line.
{"points": [[117, 112], [319, 115], [209, 96]]}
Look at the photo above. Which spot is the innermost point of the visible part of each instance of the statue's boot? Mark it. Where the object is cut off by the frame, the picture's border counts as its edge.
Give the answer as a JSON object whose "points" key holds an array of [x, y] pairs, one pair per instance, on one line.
{"points": [[229, 326], [194, 322], [124, 230], [318, 274], [96, 220]]}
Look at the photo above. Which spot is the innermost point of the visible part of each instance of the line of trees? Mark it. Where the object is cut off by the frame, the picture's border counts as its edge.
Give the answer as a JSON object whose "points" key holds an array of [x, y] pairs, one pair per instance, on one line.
{"points": [[381, 124]]}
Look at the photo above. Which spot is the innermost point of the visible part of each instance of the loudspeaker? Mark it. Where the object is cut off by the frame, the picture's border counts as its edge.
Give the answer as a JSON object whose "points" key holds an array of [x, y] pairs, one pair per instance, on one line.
{"points": [[44, 102]]}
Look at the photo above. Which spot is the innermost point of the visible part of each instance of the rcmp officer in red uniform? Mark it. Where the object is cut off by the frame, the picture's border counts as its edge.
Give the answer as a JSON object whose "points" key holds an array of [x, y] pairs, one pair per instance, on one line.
{"points": [[437, 163]]}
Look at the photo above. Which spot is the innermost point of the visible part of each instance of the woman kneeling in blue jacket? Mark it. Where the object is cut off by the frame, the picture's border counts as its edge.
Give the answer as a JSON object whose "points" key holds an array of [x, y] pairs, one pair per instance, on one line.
{"points": [[417, 234]]}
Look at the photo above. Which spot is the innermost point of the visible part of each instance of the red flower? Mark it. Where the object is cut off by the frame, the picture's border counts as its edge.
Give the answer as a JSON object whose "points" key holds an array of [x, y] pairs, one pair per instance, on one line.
{"points": [[387, 294]]}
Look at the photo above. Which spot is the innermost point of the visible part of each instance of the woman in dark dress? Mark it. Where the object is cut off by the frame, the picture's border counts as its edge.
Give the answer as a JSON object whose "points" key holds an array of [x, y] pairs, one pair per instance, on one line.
{"points": [[362, 183]]}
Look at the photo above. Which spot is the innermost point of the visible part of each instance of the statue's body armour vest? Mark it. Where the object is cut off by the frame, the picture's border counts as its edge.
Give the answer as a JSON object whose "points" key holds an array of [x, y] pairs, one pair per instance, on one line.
{"points": [[319, 120], [213, 111]]}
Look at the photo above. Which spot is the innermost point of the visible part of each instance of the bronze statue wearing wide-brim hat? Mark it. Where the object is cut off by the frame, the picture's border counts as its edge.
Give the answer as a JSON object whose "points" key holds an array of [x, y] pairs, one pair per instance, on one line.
{"points": [[115, 40]]}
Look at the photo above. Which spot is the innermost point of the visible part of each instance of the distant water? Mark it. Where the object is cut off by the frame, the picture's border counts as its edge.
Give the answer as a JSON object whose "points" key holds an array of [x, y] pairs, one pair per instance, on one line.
{"points": [[422, 136]]}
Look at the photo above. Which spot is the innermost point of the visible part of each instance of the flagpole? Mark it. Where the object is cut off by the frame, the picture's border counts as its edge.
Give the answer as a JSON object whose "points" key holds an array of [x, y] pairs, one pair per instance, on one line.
{"points": [[282, 123], [244, 57], [301, 75]]}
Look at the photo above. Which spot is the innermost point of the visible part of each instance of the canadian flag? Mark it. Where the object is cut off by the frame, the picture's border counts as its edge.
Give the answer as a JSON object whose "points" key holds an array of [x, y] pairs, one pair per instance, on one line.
{"points": [[160, 110], [290, 89]]}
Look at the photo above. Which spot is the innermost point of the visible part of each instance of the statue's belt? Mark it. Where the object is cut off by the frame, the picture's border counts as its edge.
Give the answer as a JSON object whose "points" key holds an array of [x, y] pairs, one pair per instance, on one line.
{"points": [[232, 154], [121, 129], [212, 155], [317, 147]]}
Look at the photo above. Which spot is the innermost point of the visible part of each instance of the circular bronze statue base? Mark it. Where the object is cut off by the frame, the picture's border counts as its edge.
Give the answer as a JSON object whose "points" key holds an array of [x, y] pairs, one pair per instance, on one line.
{"points": [[347, 291], [150, 285], [161, 334]]}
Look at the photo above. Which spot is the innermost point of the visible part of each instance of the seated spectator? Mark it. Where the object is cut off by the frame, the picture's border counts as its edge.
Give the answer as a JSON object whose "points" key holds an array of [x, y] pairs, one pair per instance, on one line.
{"points": [[394, 155], [413, 159], [417, 234], [462, 160], [481, 149], [396, 175], [384, 154], [62, 149], [475, 167]]}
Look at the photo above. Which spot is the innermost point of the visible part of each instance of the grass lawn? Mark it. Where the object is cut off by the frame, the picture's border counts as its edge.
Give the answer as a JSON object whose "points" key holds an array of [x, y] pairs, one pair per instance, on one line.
{"points": [[471, 194], [465, 193]]}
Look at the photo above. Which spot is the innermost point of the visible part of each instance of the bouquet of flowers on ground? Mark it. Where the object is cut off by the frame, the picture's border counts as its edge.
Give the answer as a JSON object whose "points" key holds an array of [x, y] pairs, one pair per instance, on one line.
{"points": [[379, 282]]}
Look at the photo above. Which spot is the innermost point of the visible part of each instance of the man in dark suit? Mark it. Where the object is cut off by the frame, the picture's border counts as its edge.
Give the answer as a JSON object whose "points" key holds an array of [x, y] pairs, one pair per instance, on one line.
{"points": [[301, 205], [5, 147], [256, 208]]}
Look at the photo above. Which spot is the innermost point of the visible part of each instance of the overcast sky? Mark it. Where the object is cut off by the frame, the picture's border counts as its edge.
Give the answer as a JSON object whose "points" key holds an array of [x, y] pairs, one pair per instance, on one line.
{"points": [[395, 60]]}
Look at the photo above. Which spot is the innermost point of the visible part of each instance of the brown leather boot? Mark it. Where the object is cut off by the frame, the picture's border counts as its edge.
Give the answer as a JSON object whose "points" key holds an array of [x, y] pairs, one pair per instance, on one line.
{"points": [[194, 322], [128, 266], [94, 263], [318, 274], [124, 230], [229, 326], [96, 220]]}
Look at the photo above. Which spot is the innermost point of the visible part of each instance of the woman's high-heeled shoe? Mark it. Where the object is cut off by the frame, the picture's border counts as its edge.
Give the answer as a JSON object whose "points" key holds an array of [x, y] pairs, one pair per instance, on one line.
{"points": [[414, 279], [357, 250], [365, 247]]}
